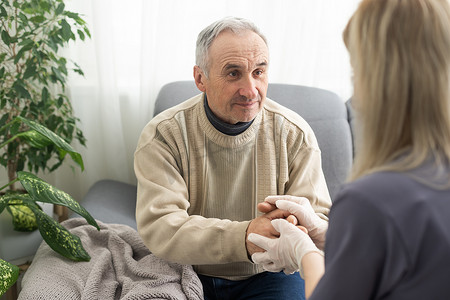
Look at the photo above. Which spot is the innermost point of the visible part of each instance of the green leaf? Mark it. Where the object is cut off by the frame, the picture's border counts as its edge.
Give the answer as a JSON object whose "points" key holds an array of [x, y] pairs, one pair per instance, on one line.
{"points": [[24, 18], [60, 102], [21, 90], [37, 19], [59, 238], [45, 5], [39, 190], [3, 121], [23, 217], [52, 44], [3, 204], [8, 275], [79, 71], [80, 21], [86, 30], [15, 127], [22, 50], [3, 12], [59, 10], [26, 42], [30, 71], [72, 15], [13, 197], [62, 145], [5, 37], [17, 205], [44, 95], [62, 66], [27, 9], [81, 34], [58, 75], [35, 139], [66, 32]]}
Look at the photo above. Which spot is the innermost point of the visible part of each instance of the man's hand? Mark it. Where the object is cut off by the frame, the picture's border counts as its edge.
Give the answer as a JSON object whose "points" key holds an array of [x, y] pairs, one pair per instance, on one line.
{"points": [[262, 225], [301, 208]]}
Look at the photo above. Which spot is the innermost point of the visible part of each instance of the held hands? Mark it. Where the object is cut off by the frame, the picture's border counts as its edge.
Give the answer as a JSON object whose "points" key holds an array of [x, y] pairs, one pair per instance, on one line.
{"points": [[285, 244], [262, 226], [301, 208], [283, 253]]}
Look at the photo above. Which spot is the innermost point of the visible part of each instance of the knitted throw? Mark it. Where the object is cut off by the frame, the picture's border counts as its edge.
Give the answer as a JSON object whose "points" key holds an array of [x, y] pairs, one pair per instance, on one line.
{"points": [[121, 267]]}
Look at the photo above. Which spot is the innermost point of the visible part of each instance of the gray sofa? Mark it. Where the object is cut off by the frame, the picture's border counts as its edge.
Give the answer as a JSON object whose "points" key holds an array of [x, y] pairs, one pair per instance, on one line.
{"points": [[115, 202]]}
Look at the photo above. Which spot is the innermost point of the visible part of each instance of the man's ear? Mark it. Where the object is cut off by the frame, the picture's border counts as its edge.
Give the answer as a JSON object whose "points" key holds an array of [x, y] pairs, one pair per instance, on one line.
{"points": [[199, 78]]}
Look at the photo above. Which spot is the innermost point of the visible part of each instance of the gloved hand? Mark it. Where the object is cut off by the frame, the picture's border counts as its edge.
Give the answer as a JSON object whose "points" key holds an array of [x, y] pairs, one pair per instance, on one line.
{"points": [[301, 208], [283, 253]]}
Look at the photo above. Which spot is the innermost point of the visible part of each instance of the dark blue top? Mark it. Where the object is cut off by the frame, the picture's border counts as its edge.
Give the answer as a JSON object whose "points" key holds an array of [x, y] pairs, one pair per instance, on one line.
{"points": [[228, 129], [389, 238]]}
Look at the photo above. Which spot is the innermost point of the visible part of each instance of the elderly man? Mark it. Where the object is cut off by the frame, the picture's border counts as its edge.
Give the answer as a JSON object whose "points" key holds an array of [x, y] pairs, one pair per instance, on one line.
{"points": [[204, 165]]}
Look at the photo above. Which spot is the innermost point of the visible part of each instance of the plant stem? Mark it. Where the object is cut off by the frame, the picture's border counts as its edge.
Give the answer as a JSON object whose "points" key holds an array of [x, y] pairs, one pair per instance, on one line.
{"points": [[8, 184], [7, 125], [8, 141], [12, 167]]}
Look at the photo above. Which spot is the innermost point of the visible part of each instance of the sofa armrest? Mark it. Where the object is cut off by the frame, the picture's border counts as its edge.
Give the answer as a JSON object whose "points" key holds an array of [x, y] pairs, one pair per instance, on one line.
{"points": [[111, 201]]}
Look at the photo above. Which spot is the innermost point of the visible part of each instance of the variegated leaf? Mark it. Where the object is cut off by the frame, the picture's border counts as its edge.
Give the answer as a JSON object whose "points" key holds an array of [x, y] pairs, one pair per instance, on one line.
{"points": [[59, 238], [23, 217], [8, 275], [39, 190], [60, 143], [3, 204], [35, 139], [17, 205]]}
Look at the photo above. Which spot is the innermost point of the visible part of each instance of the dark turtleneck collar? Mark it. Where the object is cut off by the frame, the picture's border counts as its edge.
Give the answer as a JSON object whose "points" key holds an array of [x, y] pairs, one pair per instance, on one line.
{"points": [[229, 129]]}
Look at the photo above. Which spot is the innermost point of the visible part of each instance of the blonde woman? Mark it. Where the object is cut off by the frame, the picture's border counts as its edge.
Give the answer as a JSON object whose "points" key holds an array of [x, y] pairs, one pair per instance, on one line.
{"points": [[389, 229]]}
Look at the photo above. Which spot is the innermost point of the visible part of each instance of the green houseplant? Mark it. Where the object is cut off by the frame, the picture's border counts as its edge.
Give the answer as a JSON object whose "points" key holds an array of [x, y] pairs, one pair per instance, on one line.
{"points": [[37, 123], [24, 208], [33, 75]]}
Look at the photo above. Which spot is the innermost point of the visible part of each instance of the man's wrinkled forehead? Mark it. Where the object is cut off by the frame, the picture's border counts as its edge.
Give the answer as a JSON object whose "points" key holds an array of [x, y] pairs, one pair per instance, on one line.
{"points": [[241, 50]]}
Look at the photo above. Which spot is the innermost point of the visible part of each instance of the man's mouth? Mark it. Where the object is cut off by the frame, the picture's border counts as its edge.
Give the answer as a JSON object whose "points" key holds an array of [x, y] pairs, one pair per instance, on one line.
{"points": [[247, 104]]}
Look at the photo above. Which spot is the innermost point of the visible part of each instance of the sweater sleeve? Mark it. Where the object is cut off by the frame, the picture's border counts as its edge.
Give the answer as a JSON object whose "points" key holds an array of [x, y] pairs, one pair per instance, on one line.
{"points": [[306, 179], [303, 160], [163, 220]]}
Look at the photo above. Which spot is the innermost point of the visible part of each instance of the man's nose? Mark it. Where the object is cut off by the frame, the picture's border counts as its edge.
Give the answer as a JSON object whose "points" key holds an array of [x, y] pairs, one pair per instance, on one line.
{"points": [[248, 88]]}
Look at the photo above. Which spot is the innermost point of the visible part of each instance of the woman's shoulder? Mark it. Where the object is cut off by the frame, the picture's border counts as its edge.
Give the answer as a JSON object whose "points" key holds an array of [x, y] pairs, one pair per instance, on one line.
{"points": [[392, 193], [381, 191], [378, 183]]}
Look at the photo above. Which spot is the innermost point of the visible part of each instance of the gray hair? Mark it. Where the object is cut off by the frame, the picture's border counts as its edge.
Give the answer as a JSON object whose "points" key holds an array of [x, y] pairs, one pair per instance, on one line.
{"points": [[207, 36]]}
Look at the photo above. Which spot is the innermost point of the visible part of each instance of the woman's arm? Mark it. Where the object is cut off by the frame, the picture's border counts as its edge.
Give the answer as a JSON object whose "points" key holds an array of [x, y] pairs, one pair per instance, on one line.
{"points": [[313, 268]]}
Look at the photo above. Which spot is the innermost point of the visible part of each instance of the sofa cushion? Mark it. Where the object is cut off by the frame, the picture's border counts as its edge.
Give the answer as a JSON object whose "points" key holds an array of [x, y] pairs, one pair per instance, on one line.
{"points": [[111, 201]]}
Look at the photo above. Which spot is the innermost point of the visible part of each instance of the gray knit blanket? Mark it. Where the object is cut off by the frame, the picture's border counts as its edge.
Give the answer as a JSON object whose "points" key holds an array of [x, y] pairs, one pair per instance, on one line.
{"points": [[121, 267]]}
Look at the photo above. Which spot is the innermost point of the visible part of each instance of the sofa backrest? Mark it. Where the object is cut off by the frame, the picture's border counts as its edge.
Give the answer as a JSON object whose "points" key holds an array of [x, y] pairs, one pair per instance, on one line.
{"points": [[323, 110]]}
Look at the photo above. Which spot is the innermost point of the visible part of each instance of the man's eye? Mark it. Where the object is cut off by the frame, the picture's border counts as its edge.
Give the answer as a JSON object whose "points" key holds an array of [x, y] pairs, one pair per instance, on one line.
{"points": [[258, 72], [233, 74]]}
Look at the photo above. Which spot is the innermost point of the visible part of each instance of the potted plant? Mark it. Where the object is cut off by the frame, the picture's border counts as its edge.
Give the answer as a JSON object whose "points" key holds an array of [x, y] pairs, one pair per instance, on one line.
{"points": [[24, 208], [33, 76], [37, 123]]}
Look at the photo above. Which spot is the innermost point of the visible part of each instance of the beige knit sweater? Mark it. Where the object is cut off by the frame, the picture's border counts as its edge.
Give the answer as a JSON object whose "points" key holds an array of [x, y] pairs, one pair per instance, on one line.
{"points": [[198, 189]]}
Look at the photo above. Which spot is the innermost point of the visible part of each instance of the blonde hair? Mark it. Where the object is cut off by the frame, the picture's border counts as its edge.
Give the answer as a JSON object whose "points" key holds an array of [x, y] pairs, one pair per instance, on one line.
{"points": [[400, 54]]}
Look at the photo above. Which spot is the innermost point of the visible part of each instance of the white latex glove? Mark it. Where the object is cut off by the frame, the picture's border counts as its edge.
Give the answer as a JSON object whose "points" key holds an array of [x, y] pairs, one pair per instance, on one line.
{"points": [[283, 253], [301, 208]]}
